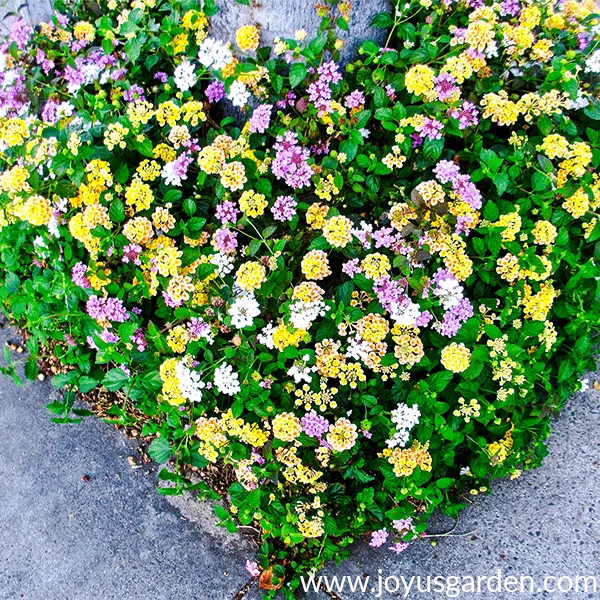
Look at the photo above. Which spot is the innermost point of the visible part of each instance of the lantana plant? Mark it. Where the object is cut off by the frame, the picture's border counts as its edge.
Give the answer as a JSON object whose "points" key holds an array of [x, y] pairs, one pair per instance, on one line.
{"points": [[359, 291]]}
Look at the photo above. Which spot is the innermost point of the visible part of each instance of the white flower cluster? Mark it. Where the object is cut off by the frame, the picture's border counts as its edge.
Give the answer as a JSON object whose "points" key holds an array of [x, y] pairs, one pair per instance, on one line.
{"points": [[185, 76], [301, 371], [405, 312], [190, 382], [226, 380], [214, 54], [243, 310], [580, 102], [265, 337], [592, 63], [404, 418], [358, 349], [450, 292], [223, 263], [302, 314], [238, 94], [364, 234], [171, 173]]}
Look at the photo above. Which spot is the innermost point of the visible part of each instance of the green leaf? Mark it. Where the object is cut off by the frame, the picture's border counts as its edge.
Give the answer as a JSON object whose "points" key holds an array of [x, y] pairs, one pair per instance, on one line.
{"points": [[12, 283], [107, 46], [491, 159], [592, 110], [432, 149], [189, 207], [382, 20], [501, 182], [117, 211], [439, 381], [349, 148], [298, 73], [86, 384], [159, 450], [115, 379], [444, 482], [490, 211], [122, 174], [133, 48]]}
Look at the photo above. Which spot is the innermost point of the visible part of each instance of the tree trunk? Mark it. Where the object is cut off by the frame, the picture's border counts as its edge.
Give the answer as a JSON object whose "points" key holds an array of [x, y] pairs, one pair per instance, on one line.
{"points": [[33, 11], [281, 18]]}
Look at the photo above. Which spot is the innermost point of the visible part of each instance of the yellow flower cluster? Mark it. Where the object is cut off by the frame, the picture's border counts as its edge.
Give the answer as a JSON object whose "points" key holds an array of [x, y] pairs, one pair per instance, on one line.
{"points": [[196, 21], [394, 159], [499, 451], [180, 287], [511, 222], [408, 348], [323, 399], [431, 192], [406, 460], [177, 339], [139, 195], [337, 231], [577, 204], [138, 230], [139, 113], [37, 210], [316, 215], [555, 146], [308, 291], [249, 433], [544, 233], [315, 265], [469, 410], [375, 265], [287, 336], [165, 153], [13, 131], [252, 203], [84, 31], [373, 327], [456, 357], [419, 81], [247, 38], [296, 471], [14, 180], [165, 256], [351, 373], [193, 112], [329, 359], [508, 267], [170, 388], [536, 306], [162, 219], [326, 188], [168, 113], [233, 176], [342, 435], [115, 136], [455, 257], [250, 276], [211, 159], [286, 426]]}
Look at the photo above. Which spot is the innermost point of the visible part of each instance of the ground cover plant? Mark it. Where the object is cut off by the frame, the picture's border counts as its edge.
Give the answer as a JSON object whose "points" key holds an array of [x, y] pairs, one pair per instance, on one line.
{"points": [[360, 291]]}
